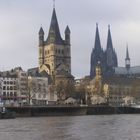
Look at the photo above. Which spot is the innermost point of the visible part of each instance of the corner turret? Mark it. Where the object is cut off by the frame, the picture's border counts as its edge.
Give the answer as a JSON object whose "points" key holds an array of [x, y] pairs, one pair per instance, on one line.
{"points": [[41, 37], [67, 35]]}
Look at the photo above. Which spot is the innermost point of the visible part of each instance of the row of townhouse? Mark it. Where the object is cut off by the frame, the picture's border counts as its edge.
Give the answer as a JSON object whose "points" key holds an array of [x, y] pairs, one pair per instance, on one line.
{"points": [[18, 88]]}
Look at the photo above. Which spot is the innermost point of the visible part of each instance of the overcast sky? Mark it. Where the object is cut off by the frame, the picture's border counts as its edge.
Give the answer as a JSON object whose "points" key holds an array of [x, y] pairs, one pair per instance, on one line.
{"points": [[20, 21]]}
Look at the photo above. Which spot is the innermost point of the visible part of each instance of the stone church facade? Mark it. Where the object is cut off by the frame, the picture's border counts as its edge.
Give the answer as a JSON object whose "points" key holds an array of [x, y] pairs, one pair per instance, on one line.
{"points": [[55, 52]]}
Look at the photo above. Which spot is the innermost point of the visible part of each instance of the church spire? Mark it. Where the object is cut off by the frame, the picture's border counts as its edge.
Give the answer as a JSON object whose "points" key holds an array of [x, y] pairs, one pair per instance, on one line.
{"points": [[127, 59], [111, 57], [54, 35], [97, 44], [109, 39], [127, 53]]}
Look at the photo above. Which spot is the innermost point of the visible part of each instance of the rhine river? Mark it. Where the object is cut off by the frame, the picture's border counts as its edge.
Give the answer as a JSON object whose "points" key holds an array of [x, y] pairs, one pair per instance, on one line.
{"points": [[95, 127]]}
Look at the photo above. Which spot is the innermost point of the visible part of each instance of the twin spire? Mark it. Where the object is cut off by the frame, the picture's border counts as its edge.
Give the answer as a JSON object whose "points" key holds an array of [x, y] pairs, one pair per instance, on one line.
{"points": [[97, 39]]}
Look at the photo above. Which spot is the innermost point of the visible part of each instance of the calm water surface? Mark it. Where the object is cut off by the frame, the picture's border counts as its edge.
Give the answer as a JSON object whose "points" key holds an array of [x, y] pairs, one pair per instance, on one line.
{"points": [[102, 127]]}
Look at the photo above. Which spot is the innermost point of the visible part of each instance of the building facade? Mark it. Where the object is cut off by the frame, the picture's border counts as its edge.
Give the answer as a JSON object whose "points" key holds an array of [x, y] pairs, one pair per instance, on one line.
{"points": [[9, 91], [14, 87], [39, 89]]}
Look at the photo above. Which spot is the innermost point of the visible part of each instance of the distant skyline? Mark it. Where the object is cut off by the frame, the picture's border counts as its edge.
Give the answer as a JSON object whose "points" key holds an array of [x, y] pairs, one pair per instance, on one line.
{"points": [[20, 22]]}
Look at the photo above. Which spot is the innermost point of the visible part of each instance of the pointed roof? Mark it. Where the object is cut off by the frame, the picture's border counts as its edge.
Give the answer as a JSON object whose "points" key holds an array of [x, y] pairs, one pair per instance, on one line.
{"points": [[97, 44], [41, 32], [127, 53], [54, 31], [109, 39], [67, 30]]}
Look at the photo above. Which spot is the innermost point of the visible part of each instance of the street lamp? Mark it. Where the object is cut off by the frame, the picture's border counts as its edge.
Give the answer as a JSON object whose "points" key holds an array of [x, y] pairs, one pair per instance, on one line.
{"points": [[29, 89]]}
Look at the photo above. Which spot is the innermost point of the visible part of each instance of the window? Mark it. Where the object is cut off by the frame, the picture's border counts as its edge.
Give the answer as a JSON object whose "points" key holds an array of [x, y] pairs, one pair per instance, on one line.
{"points": [[4, 93], [4, 87], [15, 94], [62, 52], [11, 94], [7, 93]]}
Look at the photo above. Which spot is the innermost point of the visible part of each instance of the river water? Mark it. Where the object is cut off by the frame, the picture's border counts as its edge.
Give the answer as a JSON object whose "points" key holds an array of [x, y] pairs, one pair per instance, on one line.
{"points": [[95, 127]]}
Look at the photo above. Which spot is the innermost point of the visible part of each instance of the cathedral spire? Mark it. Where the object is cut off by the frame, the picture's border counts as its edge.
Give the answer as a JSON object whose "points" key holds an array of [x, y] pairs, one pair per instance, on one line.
{"points": [[54, 35], [109, 39], [97, 44]]}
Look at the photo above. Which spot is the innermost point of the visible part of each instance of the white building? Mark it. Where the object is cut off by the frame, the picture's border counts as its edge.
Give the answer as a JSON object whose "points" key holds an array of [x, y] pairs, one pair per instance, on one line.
{"points": [[8, 90], [40, 92], [13, 85]]}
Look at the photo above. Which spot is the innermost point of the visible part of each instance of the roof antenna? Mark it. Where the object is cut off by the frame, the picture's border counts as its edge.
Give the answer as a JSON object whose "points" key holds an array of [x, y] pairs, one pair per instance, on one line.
{"points": [[53, 3]]}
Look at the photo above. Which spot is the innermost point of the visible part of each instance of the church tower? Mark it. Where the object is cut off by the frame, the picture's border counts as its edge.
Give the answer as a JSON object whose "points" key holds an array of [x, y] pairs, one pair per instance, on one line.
{"points": [[54, 52], [127, 59], [108, 58], [97, 55], [111, 56]]}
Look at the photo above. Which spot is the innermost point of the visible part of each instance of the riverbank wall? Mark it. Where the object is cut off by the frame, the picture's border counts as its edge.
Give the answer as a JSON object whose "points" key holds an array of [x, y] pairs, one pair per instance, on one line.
{"points": [[34, 111]]}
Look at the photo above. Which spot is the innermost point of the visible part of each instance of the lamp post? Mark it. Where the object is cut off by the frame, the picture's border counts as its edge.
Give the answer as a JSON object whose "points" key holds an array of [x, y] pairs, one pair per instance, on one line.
{"points": [[29, 89]]}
